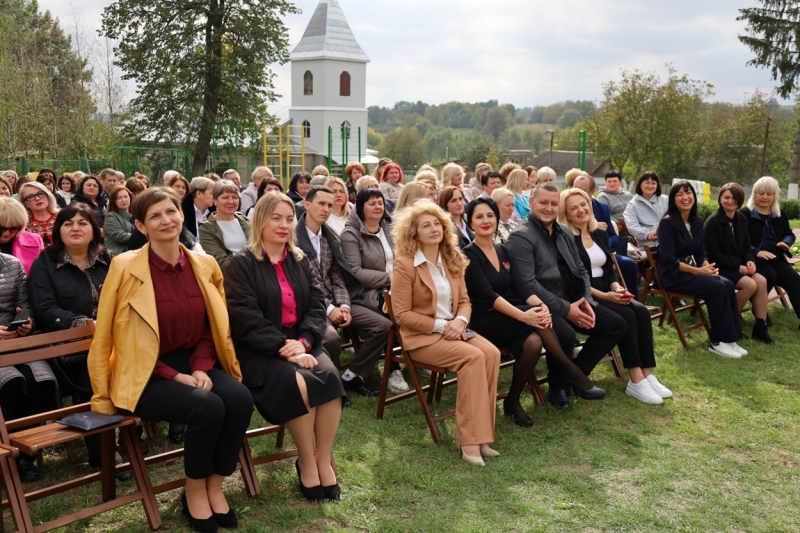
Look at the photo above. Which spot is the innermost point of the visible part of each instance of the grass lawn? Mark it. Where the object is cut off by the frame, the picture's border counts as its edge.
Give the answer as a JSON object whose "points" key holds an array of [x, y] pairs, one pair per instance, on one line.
{"points": [[722, 455]]}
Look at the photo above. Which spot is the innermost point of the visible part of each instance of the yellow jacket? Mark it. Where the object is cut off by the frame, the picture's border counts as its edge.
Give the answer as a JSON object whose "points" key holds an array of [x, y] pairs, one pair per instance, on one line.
{"points": [[126, 342]]}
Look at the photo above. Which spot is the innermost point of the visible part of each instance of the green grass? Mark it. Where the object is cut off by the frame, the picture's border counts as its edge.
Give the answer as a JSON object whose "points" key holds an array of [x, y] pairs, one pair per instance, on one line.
{"points": [[794, 223], [723, 455]]}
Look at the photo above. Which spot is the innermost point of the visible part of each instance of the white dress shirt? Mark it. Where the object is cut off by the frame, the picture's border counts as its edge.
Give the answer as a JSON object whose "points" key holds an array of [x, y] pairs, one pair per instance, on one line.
{"points": [[444, 293]]}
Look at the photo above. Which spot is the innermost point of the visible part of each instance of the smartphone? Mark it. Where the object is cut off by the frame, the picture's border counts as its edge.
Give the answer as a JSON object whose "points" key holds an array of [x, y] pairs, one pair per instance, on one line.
{"points": [[20, 320], [626, 294], [470, 334]]}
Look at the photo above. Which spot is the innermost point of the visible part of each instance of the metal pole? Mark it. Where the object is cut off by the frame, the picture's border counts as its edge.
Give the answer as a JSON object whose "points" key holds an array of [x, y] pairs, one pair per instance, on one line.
{"points": [[551, 147], [280, 152], [359, 144], [289, 151], [303, 150], [346, 143], [264, 142], [764, 150], [330, 147]]}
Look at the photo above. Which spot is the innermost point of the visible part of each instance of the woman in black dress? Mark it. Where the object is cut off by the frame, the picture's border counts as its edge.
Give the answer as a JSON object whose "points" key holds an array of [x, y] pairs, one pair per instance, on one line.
{"points": [[277, 318], [506, 322]]}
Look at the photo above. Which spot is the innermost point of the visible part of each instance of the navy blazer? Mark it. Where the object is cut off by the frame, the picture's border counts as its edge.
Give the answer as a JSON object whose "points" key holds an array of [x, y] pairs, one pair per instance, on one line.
{"points": [[603, 214], [675, 244]]}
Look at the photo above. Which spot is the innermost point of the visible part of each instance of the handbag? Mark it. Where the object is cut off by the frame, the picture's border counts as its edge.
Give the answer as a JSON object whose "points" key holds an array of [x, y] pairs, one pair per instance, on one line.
{"points": [[90, 420]]}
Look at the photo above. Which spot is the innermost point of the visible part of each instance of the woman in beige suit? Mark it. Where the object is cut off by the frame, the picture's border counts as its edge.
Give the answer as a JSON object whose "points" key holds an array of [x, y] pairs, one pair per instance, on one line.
{"points": [[432, 308]]}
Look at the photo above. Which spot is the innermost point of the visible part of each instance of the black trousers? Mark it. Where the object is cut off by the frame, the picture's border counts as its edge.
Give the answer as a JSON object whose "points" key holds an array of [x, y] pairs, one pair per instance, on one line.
{"points": [[636, 346], [609, 329], [216, 420], [778, 272], [720, 297]]}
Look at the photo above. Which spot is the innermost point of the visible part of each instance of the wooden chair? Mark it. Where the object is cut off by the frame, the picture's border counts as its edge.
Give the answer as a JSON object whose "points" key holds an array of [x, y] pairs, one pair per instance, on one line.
{"points": [[670, 308], [34, 433], [11, 481], [395, 353], [253, 488]]}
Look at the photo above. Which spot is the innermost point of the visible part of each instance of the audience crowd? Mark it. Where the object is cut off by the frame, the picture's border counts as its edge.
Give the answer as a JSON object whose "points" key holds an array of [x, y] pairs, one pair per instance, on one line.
{"points": [[212, 298]]}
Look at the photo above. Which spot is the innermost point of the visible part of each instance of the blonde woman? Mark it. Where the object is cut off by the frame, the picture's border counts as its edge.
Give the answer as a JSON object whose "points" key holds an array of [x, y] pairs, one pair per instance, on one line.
{"points": [[475, 183], [428, 175], [42, 209], [432, 309], [517, 182], [453, 174], [341, 205], [412, 192], [278, 319], [505, 201]]}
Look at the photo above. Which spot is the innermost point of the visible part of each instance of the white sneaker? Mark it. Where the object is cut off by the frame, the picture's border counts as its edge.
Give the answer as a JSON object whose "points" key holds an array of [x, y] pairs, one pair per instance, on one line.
{"points": [[658, 388], [643, 392], [723, 350], [736, 348], [397, 383]]}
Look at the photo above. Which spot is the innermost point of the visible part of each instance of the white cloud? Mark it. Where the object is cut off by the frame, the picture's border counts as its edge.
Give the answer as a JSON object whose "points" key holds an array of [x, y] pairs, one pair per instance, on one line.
{"points": [[525, 52]]}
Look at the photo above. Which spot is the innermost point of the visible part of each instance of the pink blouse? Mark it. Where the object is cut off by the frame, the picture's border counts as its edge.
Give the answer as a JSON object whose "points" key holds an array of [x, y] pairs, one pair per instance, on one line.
{"points": [[288, 303]]}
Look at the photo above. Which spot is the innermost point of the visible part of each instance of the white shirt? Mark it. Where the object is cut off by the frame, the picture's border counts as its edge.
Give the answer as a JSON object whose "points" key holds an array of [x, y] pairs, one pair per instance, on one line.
{"points": [[462, 227], [597, 258], [387, 251], [315, 237], [336, 223], [199, 216], [232, 235], [444, 294]]}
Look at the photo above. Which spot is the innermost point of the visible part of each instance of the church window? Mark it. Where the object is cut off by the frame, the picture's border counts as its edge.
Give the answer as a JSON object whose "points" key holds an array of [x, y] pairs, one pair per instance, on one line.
{"points": [[308, 83], [344, 84]]}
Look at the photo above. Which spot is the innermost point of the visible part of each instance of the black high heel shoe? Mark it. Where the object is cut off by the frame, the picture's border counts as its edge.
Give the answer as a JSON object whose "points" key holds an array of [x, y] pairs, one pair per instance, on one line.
{"points": [[314, 494], [202, 525], [333, 492], [593, 393], [522, 420]]}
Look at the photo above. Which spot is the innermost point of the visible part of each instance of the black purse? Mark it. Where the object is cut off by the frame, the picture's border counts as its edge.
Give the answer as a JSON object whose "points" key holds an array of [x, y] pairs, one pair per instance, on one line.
{"points": [[90, 420]]}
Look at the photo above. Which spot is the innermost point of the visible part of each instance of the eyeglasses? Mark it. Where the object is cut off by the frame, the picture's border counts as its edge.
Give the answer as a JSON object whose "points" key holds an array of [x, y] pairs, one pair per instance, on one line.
{"points": [[35, 196], [15, 229]]}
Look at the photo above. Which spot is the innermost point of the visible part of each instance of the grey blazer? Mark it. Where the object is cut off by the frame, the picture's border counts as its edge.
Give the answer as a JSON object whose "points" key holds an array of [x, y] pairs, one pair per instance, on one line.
{"points": [[118, 231], [534, 266], [643, 216], [364, 254]]}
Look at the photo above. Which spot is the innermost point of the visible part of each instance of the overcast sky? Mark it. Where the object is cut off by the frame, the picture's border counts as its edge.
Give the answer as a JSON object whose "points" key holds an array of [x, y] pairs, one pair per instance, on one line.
{"points": [[524, 52]]}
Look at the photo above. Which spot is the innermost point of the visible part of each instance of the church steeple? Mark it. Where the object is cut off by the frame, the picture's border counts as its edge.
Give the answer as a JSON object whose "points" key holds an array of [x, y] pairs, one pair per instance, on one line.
{"points": [[328, 36]]}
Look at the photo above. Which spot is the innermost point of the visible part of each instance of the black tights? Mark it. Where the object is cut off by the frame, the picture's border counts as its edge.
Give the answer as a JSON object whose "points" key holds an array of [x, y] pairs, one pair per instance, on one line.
{"points": [[526, 362]]}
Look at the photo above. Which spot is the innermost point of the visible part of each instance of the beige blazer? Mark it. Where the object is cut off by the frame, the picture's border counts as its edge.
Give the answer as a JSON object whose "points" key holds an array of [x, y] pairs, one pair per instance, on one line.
{"points": [[414, 302]]}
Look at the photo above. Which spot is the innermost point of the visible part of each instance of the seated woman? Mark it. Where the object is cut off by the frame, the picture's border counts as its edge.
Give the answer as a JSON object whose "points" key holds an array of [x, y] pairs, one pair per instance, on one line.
{"points": [[277, 317], [431, 307], [368, 248], [162, 350], [683, 267], [5, 188], [451, 199], [14, 240], [89, 191], [225, 231], [354, 172], [267, 185], [299, 186], [453, 174], [392, 181], [517, 182], [770, 239], [341, 206], [66, 187], [42, 209], [47, 177], [179, 184], [411, 193], [505, 321], [505, 201], [636, 347], [645, 211], [119, 222], [64, 289], [727, 243], [30, 388]]}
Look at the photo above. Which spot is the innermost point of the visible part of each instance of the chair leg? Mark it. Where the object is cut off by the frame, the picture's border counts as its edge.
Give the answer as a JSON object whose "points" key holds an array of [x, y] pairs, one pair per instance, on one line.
{"points": [[387, 371], [424, 405], [71, 453], [107, 468], [248, 470], [615, 363], [439, 387], [16, 496], [280, 436], [141, 475], [673, 316]]}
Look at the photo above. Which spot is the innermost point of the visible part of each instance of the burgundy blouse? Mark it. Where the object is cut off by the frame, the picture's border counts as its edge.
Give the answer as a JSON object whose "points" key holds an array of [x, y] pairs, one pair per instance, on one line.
{"points": [[288, 303], [182, 320]]}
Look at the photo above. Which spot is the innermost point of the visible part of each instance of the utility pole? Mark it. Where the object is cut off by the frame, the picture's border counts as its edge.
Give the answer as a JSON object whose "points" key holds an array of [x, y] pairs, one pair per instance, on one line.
{"points": [[551, 132], [764, 149]]}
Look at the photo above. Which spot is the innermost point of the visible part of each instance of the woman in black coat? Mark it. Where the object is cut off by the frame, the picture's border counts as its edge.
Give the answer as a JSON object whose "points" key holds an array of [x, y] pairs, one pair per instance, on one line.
{"points": [[277, 318], [636, 347], [727, 241], [507, 322], [771, 238], [90, 192]]}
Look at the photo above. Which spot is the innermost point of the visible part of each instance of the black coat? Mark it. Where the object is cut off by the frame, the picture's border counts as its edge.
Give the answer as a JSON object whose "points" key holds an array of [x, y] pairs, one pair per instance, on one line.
{"points": [[189, 218], [60, 295], [99, 209], [780, 226], [728, 241], [463, 242], [254, 302], [600, 237], [676, 244]]}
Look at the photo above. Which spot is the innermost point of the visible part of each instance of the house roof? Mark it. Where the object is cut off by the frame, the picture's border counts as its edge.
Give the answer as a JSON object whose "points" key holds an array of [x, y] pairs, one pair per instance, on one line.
{"points": [[563, 161], [328, 36]]}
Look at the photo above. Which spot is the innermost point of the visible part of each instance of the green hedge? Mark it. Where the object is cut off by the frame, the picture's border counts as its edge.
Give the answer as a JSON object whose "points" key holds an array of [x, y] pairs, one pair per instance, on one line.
{"points": [[706, 210], [791, 207]]}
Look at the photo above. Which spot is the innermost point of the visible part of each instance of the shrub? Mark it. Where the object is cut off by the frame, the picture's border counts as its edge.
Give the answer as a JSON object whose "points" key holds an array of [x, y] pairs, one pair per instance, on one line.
{"points": [[706, 210], [791, 207]]}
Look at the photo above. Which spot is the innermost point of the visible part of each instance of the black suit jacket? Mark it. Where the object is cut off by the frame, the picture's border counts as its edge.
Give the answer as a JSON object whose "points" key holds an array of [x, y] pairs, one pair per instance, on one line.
{"points": [[728, 241]]}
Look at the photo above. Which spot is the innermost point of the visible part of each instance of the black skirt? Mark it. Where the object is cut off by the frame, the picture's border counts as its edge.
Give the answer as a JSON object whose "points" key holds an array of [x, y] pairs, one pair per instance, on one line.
{"points": [[502, 330], [733, 275], [278, 399]]}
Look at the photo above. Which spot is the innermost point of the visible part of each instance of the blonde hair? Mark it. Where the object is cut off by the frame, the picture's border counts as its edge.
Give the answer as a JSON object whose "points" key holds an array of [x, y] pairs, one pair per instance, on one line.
{"points": [[411, 193], [517, 181], [259, 173], [12, 213], [562, 210], [320, 169], [261, 215], [405, 236], [766, 184], [333, 180], [572, 174], [481, 169], [506, 170], [52, 205], [429, 177], [449, 171], [500, 194]]}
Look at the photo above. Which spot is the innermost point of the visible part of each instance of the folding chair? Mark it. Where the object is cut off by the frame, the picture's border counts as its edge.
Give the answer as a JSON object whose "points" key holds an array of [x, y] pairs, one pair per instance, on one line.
{"points": [[11, 481], [671, 308]]}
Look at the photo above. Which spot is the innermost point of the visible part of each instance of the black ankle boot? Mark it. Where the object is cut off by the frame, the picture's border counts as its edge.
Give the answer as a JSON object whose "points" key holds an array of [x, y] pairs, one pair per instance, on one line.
{"points": [[760, 332]]}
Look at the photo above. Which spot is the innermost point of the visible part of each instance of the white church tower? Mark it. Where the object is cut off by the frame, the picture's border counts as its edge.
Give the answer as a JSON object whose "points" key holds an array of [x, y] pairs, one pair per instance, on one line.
{"points": [[329, 82]]}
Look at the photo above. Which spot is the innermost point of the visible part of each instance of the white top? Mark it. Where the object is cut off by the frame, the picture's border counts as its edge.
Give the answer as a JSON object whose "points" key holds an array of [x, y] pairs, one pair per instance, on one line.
{"points": [[463, 229], [232, 235], [199, 216], [444, 294], [314, 240], [597, 258], [387, 251], [336, 223]]}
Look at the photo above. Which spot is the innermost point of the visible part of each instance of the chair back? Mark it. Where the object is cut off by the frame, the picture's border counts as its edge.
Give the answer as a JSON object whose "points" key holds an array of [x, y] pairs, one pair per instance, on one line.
{"points": [[46, 346]]}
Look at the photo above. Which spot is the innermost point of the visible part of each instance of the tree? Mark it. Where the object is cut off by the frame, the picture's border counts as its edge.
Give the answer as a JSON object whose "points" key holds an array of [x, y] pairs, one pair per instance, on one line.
{"points": [[772, 35], [198, 64], [568, 118], [405, 147], [645, 123], [497, 119]]}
